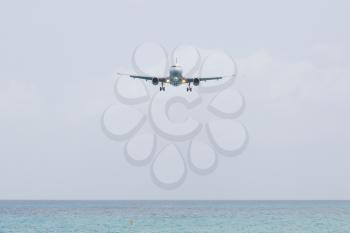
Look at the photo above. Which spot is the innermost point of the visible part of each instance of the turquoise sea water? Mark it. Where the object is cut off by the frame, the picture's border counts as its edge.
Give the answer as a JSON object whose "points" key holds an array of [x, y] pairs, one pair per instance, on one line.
{"points": [[175, 216]]}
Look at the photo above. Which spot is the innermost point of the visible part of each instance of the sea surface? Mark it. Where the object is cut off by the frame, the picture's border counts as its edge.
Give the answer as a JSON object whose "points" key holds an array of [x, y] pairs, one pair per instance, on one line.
{"points": [[175, 216]]}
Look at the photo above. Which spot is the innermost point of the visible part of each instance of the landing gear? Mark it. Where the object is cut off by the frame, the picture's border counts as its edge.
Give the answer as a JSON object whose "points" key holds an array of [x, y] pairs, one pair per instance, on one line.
{"points": [[162, 88], [189, 88]]}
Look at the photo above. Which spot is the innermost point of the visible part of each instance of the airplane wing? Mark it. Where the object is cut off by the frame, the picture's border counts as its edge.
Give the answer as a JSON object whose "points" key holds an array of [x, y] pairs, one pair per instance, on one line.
{"points": [[141, 77], [161, 79], [190, 80], [209, 78]]}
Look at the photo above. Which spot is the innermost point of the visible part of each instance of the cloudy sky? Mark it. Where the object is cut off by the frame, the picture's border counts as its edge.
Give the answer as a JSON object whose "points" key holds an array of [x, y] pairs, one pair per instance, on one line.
{"points": [[58, 58]]}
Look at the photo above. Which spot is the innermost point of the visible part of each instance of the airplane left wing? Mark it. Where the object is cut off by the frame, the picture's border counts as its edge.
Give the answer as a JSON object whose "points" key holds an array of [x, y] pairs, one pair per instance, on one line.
{"points": [[161, 79], [141, 77]]}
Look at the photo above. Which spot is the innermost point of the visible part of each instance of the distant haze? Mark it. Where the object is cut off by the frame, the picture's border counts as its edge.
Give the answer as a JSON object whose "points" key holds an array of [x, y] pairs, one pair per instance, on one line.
{"points": [[58, 60]]}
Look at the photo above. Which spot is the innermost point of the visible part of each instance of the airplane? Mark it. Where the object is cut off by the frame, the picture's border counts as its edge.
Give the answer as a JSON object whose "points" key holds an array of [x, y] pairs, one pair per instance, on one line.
{"points": [[175, 78]]}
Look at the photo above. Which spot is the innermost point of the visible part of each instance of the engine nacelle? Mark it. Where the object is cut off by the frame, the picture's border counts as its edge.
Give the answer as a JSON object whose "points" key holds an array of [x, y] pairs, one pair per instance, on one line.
{"points": [[155, 81], [196, 81]]}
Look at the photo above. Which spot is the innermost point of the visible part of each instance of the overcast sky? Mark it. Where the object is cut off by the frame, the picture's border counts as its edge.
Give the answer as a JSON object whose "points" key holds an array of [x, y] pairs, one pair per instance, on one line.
{"points": [[57, 60]]}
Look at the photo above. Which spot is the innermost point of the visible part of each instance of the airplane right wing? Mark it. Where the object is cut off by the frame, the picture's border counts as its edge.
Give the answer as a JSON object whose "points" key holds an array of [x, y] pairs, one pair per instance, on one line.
{"points": [[196, 79], [209, 78]]}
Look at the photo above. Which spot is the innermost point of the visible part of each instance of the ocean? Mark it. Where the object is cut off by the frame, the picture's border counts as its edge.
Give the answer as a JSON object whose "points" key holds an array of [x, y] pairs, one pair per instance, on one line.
{"points": [[175, 216]]}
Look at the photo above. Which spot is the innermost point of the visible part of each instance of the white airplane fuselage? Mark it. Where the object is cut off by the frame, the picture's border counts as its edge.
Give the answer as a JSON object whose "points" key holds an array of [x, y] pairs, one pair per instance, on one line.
{"points": [[175, 75]]}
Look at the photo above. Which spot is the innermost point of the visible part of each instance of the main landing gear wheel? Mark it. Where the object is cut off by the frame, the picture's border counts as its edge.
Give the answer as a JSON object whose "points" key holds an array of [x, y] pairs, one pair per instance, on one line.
{"points": [[189, 89], [162, 88]]}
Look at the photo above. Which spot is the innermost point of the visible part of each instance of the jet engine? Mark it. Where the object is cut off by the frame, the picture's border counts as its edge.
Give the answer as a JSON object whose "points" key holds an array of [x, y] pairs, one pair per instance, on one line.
{"points": [[196, 81], [155, 81]]}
